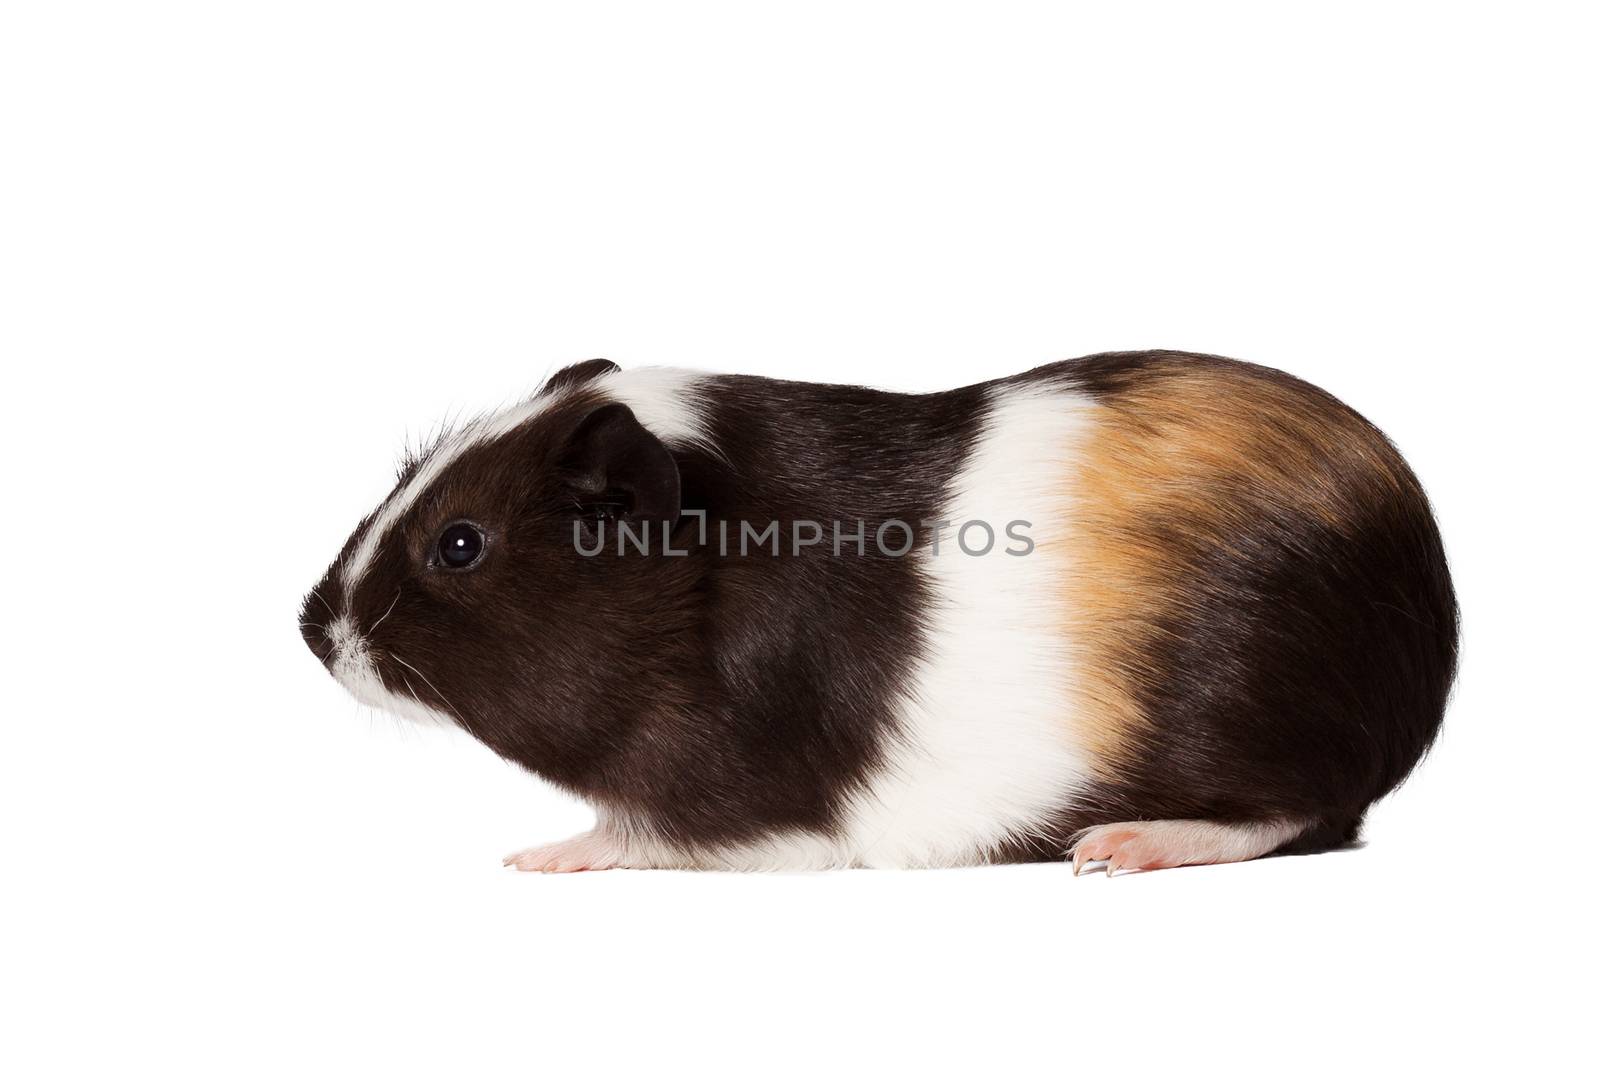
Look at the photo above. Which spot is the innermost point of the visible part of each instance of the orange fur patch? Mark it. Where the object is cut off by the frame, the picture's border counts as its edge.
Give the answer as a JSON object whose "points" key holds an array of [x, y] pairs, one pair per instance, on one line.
{"points": [[1178, 460]]}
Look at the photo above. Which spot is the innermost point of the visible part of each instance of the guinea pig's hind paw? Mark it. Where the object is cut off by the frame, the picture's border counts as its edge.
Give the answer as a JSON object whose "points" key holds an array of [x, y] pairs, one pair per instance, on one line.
{"points": [[1101, 844], [1149, 846], [592, 851]]}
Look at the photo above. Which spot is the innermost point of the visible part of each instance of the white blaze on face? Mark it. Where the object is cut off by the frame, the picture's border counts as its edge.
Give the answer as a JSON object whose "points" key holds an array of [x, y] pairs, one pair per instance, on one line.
{"points": [[479, 431]]}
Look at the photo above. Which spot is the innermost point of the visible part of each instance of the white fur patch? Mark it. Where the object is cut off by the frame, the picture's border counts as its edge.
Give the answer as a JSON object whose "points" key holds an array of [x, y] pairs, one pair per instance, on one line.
{"points": [[665, 400], [987, 753], [783, 852], [352, 667]]}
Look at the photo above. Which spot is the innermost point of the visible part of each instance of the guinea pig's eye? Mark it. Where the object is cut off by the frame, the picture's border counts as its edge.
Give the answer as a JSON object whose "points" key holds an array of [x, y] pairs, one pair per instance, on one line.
{"points": [[461, 545]]}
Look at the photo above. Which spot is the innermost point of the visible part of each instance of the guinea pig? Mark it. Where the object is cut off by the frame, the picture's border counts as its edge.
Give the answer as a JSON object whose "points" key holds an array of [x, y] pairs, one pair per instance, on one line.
{"points": [[1148, 609]]}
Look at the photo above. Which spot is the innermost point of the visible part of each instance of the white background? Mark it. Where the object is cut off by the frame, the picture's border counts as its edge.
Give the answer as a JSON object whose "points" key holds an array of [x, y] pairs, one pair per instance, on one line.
{"points": [[248, 248]]}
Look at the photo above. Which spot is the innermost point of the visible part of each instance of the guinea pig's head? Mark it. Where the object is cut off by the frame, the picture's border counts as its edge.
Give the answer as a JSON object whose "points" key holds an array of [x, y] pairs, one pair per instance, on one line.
{"points": [[465, 598]]}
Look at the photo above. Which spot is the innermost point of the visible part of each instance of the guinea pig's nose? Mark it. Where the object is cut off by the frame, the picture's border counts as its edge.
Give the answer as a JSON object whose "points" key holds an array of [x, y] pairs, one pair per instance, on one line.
{"points": [[315, 634], [316, 640]]}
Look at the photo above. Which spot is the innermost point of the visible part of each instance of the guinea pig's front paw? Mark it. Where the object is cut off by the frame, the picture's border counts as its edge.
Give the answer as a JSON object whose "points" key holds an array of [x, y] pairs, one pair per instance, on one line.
{"points": [[592, 851]]}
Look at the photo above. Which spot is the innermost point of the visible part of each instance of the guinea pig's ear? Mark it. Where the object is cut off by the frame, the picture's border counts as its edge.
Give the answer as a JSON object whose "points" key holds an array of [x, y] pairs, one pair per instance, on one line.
{"points": [[612, 459], [577, 374]]}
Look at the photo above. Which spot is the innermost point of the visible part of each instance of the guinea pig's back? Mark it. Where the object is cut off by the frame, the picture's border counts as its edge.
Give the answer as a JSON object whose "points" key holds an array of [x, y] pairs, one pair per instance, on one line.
{"points": [[1256, 593]]}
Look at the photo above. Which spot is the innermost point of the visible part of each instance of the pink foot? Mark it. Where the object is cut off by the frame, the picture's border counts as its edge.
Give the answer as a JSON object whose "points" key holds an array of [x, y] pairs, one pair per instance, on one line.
{"points": [[596, 850], [1150, 846]]}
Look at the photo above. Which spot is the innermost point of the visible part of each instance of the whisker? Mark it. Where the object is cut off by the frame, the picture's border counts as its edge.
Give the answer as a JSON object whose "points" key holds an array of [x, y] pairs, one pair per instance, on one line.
{"points": [[374, 627], [424, 677], [412, 691]]}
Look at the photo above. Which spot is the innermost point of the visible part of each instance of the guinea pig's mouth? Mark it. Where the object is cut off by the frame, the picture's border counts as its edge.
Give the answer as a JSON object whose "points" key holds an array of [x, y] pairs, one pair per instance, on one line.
{"points": [[353, 662]]}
